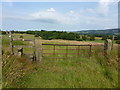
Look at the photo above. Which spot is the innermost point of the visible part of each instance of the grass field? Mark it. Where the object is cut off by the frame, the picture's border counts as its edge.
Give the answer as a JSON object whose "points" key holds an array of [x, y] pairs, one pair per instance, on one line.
{"points": [[74, 72]]}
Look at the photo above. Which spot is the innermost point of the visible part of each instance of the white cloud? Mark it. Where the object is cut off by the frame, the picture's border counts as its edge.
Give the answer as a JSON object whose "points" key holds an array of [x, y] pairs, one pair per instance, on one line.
{"points": [[71, 12], [90, 10], [88, 22], [52, 16], [76, 19], [51, 10], [103, 7]]}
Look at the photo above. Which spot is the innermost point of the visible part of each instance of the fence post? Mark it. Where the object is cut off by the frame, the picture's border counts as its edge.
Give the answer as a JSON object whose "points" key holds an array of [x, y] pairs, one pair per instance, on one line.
{"points": [[112, 41], [38, 51], [34, 51], [11, 43], [107, 48]]}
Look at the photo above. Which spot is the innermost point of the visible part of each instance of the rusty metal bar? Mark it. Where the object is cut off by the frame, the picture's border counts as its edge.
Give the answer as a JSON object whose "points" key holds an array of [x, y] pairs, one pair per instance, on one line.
{"points": [[59, 49], [60, 53], [78, 51], [66, 45], [53, 49], [66, 51], [90, 51]]}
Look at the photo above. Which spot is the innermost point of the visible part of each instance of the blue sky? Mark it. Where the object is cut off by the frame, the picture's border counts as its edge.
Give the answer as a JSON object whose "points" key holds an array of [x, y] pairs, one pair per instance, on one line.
{"points": [[63, 16]]}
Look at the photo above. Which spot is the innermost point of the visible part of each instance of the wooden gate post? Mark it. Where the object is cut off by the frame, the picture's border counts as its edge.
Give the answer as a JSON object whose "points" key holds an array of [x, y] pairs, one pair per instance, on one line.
{"points": [[38, 51], [11, 43], [107, 48], [112, 41], [34, 59]]}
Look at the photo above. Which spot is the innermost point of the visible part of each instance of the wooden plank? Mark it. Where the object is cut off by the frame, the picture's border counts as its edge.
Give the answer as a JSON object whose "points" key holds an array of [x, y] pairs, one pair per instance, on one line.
{"points": [[25, 46], [18, 39], [28, 54], [27, 40]]}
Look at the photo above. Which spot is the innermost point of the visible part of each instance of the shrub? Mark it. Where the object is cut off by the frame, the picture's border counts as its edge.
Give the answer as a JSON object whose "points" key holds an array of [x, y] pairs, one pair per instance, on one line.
{"points": [[118, 41], [79, 39], [21, 37], [36, 35], [84, 38], [92, 38]]}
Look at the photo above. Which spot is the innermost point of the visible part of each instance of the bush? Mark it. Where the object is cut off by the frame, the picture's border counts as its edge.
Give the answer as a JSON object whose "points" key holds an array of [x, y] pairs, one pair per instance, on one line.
{"points": [[118, 41], [92, 38], [84, 38], [36, 35], [3, 33], [21, 37], [79, 39]]}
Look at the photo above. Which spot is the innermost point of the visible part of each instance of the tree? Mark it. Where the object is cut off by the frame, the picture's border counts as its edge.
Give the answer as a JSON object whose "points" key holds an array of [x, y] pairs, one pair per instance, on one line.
{"points": [[84, 38], [104, 37], [92, 38]]}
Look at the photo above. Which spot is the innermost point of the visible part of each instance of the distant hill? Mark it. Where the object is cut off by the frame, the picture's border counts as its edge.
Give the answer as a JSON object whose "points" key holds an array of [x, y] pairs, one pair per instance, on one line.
{"points": [[100, 32]]}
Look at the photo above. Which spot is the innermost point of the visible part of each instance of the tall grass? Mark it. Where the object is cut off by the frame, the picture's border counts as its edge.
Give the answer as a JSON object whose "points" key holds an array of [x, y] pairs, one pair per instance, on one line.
{"points": [[73, 72]]}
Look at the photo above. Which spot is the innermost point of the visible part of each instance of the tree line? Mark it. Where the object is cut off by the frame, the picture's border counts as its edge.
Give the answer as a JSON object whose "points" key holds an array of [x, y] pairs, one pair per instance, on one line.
{"points": [[49, 35]]}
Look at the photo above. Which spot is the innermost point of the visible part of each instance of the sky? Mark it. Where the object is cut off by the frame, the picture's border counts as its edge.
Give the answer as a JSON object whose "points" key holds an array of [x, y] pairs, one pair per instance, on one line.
{"points": [[62, 16]]}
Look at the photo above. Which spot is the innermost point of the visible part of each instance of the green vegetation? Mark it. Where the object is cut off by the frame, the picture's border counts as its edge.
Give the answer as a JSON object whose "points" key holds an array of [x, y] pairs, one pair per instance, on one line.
{"points": [[49, 35], [21, 36], [118, 41], [78, 36], [74, 72]]}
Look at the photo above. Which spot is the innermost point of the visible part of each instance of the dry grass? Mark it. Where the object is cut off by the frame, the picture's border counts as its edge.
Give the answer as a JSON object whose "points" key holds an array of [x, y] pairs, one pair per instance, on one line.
{"points": [[71, 42]]}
